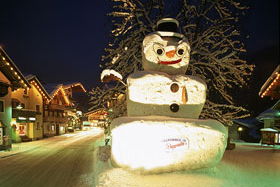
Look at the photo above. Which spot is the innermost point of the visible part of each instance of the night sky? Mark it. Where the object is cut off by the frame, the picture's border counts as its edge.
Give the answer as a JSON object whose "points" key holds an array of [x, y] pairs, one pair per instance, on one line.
{"points": [[63, 40]]}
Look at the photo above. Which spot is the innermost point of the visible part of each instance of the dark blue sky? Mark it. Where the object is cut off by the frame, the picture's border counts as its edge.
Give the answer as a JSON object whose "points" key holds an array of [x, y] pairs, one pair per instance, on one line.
{"points": [[63, 40]]}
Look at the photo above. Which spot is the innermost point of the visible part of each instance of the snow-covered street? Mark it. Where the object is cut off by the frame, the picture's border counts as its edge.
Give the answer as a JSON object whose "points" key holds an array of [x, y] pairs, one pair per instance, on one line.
{"points": [[71, 160], [249, 165], [65, 160]]}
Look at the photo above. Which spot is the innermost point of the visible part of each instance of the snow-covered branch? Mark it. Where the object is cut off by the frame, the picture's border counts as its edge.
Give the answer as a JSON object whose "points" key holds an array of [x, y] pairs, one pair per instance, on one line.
{"points": [[216, 47]]}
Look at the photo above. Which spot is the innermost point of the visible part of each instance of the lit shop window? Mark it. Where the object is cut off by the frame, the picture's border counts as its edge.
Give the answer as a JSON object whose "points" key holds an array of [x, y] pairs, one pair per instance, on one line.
{"points": [[52, 127], [277, 138]]}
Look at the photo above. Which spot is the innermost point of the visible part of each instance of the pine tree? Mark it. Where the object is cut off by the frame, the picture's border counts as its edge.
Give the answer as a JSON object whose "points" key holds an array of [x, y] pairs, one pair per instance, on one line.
{"points": [[211, 27]]}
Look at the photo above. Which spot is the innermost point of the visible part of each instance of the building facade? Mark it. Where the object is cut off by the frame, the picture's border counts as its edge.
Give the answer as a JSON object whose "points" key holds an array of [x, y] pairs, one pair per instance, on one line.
{"points": [[73, 113], [55, 121], [11, 79]]}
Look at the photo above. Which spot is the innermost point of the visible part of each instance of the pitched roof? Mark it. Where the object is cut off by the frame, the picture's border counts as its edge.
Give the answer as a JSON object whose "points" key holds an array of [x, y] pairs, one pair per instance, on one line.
{"points": [[75, 86], [34, 80], [53, 89], [11, 71], [247, 122], [271, 87], [269, 113]]}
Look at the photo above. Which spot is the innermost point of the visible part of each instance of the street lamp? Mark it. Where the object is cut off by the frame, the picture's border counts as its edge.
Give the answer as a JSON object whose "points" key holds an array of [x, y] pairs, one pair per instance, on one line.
{"points": [[240, 129]]}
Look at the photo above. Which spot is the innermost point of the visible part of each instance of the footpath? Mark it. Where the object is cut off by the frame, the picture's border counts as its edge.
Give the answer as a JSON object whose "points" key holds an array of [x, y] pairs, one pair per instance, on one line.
{"points": [[25, 146]]}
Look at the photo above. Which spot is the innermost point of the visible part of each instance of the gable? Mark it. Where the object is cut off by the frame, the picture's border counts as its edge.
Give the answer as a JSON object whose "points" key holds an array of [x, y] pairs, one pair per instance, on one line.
{"points": [[11, 71], [59, 96]]}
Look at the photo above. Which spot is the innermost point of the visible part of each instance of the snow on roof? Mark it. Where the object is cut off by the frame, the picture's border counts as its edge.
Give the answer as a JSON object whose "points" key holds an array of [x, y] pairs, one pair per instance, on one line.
{"points": [[79, 87], [269, 129], [31, 78], [51, 88], [247, 122], [28, 76], [269, 113]]}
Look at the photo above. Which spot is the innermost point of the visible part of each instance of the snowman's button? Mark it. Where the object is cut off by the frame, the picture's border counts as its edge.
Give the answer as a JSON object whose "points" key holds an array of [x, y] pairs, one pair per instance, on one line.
{"points": [[174, 87], [174, 107]]}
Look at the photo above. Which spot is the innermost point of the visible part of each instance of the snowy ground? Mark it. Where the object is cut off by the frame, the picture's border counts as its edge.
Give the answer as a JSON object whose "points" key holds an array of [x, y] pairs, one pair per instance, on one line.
{"points": [[249, 165], [73, 160], [61, 161]]}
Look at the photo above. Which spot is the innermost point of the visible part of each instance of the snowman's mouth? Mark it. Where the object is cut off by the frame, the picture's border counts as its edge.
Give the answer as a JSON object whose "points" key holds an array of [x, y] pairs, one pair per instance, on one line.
{"points": [[169, 62]]}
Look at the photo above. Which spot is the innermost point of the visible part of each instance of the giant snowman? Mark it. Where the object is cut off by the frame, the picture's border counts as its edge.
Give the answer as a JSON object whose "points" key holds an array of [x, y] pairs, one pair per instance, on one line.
{"points": [[162, 132]]}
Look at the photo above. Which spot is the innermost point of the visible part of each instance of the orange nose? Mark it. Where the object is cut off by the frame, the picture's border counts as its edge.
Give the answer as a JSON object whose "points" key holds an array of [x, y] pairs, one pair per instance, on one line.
{"points": [[170, 54]]}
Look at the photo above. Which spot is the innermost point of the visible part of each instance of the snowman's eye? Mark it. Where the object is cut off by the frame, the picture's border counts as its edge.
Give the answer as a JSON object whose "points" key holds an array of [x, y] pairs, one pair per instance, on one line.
{"points": [[158, 49], [181, 50]]}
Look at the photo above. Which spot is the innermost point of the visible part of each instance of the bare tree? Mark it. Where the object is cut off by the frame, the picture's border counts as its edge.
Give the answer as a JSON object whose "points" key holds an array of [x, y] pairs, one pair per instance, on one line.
{"points": [[216, 48]]}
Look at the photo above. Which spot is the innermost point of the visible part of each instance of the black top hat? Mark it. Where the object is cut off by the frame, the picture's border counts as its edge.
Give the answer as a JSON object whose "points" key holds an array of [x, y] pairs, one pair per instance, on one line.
{"points": [[168, 24]]}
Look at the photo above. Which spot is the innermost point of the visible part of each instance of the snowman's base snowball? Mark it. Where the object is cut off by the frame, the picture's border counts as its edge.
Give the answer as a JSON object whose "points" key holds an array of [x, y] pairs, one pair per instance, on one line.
{"points": [[156, 144]]}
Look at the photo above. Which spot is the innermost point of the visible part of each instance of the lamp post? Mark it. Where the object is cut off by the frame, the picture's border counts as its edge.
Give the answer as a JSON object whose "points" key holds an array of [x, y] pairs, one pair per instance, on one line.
{"points": [[240, 129]]}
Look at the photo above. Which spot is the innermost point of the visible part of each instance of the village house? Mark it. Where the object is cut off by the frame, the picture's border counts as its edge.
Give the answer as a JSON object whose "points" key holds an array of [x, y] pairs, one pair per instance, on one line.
{"points": [[73, 112], [11, 79], [54, 118], [27, 115], [30, 111], [271, 118], [97, 116], [266, 126]]}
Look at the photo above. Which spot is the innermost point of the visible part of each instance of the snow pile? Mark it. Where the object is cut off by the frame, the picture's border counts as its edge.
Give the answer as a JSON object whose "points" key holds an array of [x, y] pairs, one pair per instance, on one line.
{"points": [[245, 166], [108, 75], [157, 144]]}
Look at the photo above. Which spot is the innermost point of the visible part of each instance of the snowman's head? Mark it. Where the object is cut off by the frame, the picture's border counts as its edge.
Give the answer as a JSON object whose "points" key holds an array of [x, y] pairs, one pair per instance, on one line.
{"points": [[165, 51]]}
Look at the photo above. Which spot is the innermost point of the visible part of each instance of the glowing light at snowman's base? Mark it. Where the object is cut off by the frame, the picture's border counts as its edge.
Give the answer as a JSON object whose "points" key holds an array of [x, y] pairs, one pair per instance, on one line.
{"points": [[156, 144]]}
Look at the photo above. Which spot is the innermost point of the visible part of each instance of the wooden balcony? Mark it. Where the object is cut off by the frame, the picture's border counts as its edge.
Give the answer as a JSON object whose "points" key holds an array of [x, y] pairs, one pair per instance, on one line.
{"points": [[55, 119], [56, 107], [23, 113]]}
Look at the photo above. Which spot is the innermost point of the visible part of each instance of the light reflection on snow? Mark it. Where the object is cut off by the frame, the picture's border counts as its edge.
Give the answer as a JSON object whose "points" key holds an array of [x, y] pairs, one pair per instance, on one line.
{"points": [[249, 165]]}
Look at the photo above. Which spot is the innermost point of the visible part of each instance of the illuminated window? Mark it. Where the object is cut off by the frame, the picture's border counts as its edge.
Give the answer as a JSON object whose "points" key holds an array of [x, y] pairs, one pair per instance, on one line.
{"points": [[2, 106], [52, 127]]}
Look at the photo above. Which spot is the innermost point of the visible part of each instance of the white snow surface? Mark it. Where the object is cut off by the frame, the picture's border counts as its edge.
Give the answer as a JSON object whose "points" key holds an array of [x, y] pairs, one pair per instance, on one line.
{"points": [[249, 165], [156, 144], [110, 72], [149, 93]]}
